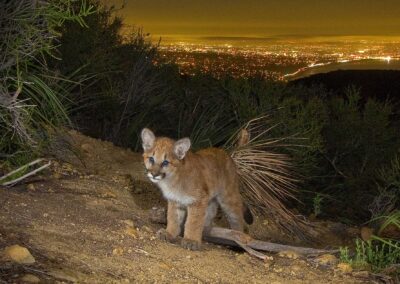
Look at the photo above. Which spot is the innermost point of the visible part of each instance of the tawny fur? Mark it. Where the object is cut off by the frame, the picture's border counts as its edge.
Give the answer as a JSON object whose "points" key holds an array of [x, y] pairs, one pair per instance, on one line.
{"points": [[194, 185]]}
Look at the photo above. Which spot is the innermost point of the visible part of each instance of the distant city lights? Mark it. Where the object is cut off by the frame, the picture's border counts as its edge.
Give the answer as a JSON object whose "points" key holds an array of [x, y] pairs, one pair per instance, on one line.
{"points": [[277, 61]]}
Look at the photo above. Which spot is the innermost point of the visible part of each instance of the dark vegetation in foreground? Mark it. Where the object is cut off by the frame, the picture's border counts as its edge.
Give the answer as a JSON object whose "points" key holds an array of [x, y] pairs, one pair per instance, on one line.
{"points": [[344, 145]]}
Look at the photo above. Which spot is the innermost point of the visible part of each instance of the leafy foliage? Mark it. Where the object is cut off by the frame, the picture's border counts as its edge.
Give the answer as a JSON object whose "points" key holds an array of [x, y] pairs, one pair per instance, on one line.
{"points": [[372, 255], [122, 85], [31, 96]]}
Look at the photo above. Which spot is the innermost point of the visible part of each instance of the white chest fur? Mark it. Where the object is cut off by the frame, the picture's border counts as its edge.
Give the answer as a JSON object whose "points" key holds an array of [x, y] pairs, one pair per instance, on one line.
{"points": [[174, 194]]}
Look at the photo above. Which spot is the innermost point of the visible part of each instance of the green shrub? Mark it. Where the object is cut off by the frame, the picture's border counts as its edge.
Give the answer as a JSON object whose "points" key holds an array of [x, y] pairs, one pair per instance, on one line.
{"points": [[122, 89], [359, 138], [31, 95], [387, 193], [372, 255]]}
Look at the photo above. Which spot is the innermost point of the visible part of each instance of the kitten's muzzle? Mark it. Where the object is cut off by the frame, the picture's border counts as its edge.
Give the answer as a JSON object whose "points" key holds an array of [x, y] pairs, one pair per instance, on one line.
{"points": [[155, 177]]}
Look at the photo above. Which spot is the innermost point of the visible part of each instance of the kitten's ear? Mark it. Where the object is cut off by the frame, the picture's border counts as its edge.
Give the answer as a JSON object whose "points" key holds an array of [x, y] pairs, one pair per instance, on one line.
{"points": [[181, 147], [148, 139]]}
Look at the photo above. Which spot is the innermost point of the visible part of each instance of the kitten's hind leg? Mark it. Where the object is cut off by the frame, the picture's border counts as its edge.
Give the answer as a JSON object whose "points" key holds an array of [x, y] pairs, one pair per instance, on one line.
{"points": [[210, 215], [232, 206]]}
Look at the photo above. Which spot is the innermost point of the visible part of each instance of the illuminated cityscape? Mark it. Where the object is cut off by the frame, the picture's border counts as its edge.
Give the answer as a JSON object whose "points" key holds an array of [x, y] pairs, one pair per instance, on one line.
{"points": [[280, 60], [278, 39]]}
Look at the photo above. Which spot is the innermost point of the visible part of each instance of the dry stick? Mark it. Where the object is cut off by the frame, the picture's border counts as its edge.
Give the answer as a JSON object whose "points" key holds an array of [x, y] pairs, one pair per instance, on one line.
{"points": [[231, 237], [21, 168], [13, 182]]}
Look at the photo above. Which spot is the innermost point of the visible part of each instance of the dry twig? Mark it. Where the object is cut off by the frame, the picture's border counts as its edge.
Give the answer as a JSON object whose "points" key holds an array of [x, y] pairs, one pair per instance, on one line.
{"points": [[31, 173]]}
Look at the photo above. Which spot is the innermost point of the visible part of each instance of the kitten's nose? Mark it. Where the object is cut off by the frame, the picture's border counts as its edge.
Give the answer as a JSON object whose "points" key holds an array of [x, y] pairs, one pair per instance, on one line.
{"points": [[155, 175]]}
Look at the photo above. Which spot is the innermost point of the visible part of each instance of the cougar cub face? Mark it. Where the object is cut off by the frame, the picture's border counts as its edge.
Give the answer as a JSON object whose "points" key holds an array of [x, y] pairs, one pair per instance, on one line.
{"points": [[162, 156]]}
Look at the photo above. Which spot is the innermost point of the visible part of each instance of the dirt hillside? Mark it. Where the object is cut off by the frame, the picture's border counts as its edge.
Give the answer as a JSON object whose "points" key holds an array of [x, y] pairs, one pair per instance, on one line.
{"points": [[89, 219]]}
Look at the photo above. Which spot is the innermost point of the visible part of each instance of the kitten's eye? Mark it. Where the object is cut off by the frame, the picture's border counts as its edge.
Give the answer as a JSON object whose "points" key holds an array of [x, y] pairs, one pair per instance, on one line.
{"points": [[164, 163], [151, 160]]}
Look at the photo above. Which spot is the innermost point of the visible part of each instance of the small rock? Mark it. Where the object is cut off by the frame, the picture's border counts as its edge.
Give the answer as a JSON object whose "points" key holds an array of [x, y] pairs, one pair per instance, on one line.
{"points": [[268, 261], [147, 229], [296, 270], [278, 269], [30, 278], [267, 264], [118, 251], [289, 254], [128, 222], [86, 147], [108, 194], [131, 232], [269, 258], [326, 259], [19, 254], [344, 267], [366, 233], [31, 187]]}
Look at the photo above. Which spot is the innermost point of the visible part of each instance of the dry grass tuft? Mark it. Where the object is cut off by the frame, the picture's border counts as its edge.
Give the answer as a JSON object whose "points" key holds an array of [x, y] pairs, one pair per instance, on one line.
{"points": [[267, 178]]}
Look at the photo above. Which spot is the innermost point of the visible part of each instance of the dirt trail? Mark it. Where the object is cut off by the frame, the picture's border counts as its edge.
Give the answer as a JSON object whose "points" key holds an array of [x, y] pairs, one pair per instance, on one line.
{"points": [[87, 220]]}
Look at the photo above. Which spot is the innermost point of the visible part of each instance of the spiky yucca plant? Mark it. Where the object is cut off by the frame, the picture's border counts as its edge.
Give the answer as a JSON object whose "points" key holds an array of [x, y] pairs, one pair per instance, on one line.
{"points": [[31, 95], [267, 177]]}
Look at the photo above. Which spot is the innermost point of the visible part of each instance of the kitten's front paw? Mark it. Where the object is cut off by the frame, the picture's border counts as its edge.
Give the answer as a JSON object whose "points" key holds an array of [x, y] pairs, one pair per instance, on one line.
{"points": [[163, 235], [191, 244]]}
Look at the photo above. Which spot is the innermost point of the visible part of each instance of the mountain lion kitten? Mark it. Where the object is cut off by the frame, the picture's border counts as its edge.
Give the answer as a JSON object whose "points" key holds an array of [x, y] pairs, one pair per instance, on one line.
{"points": [[194, 185]]}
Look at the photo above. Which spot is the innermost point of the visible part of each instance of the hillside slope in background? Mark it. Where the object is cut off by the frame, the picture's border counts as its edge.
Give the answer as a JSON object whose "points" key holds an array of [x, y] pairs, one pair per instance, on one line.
{"points": [[379, 84]]}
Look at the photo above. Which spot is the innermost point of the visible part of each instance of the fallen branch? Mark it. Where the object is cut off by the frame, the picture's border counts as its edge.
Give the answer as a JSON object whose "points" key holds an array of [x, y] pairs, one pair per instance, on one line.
{"points": [[228, 237], [251, 251], [225, 236], [31, 173]]}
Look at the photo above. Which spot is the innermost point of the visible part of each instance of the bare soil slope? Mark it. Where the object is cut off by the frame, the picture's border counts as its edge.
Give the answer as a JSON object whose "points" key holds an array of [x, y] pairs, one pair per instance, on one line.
{"points": [[89, 220]]}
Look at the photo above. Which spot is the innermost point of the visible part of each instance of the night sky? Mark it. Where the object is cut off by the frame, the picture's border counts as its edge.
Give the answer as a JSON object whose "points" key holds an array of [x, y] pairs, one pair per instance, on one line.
{"points": [[263, 18]]}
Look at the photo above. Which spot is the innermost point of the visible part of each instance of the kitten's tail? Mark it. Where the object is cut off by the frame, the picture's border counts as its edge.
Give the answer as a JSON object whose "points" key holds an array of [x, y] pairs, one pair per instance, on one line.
{"points": [[267, 177]]}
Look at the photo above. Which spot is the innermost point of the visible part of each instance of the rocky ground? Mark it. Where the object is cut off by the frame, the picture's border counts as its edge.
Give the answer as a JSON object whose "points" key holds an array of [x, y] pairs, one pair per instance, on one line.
{"points": [[89, 219]]}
